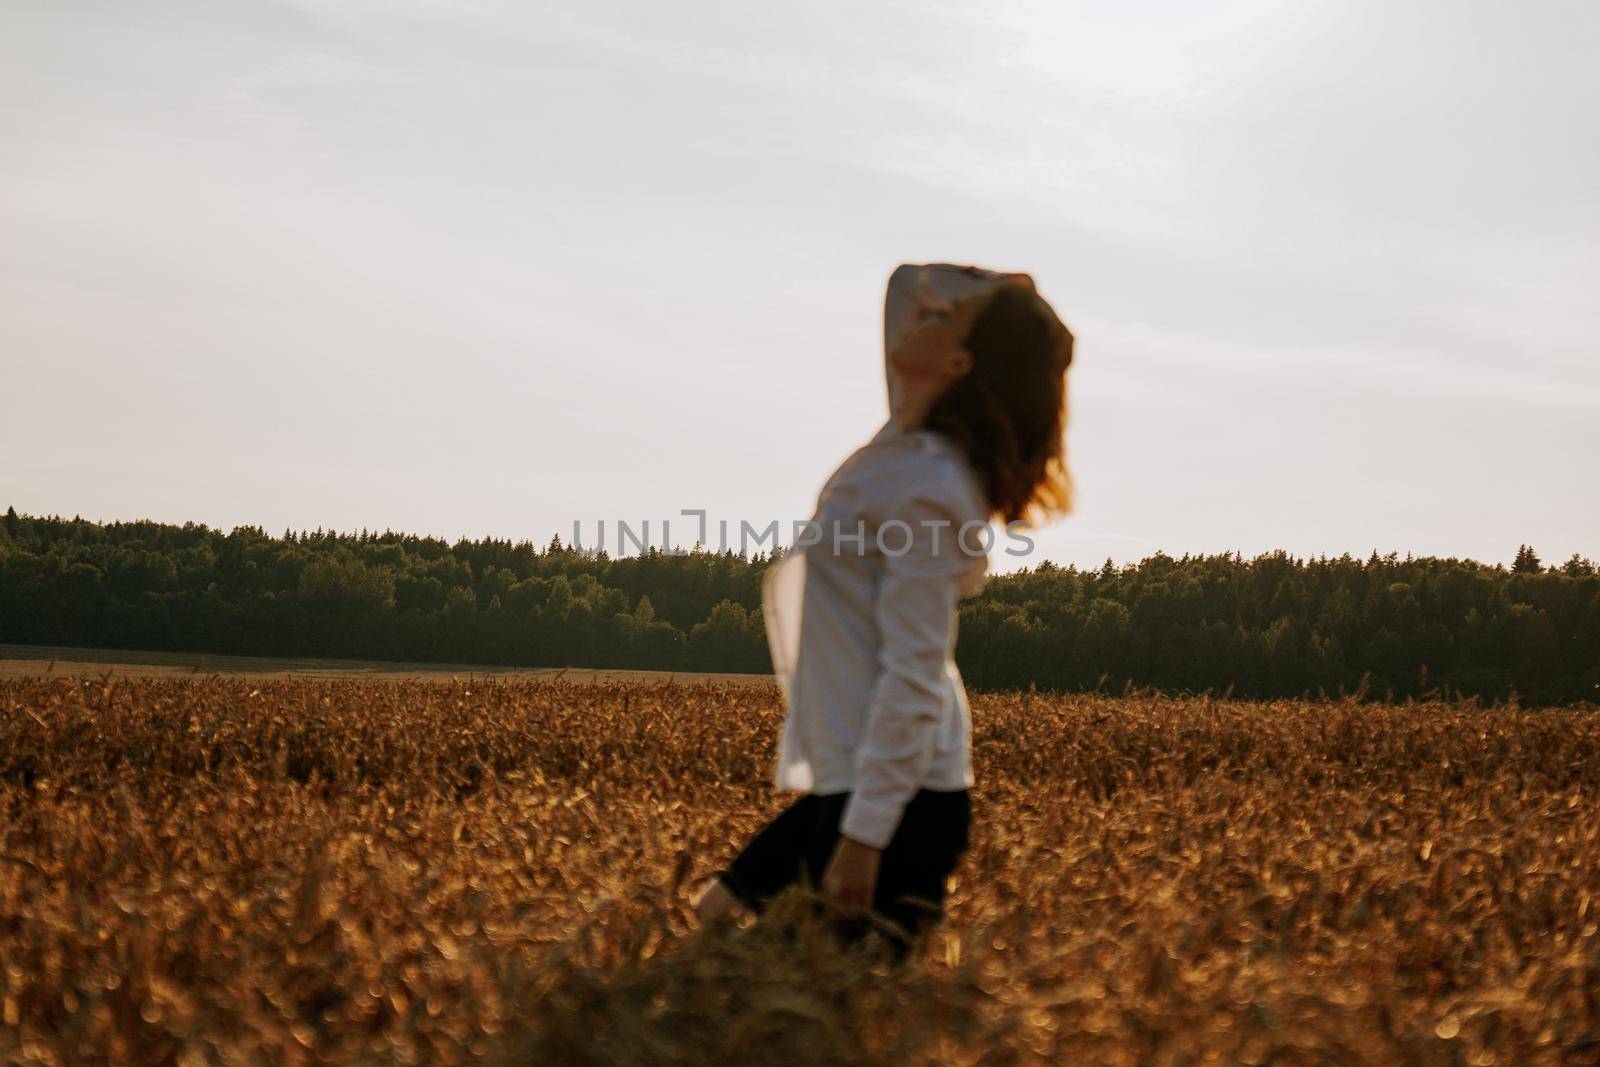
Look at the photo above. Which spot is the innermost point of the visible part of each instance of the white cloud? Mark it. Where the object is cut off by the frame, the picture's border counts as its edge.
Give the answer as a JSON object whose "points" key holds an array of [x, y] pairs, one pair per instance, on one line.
{"points": [[435, 250]]}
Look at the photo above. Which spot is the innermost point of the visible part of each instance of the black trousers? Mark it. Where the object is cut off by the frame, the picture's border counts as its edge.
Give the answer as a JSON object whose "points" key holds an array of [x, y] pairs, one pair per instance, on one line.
{"points": [[797, 844]]}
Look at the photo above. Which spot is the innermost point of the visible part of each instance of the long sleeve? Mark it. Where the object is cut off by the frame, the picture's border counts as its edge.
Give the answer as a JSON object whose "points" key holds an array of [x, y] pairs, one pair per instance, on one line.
{"points": [[916, 620]]}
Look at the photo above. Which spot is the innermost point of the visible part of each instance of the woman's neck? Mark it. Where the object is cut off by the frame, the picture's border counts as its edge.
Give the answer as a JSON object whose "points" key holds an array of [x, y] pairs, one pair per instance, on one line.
{"points": [[917, 397]]}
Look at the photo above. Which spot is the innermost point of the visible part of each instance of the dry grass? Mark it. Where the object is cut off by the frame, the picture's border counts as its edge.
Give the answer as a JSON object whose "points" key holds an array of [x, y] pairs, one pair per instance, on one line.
{"points": [[217, 870]]}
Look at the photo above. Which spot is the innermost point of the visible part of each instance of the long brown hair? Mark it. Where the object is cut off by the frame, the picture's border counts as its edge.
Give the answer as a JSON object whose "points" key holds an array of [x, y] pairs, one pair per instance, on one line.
{"points": [[1009, 412]]}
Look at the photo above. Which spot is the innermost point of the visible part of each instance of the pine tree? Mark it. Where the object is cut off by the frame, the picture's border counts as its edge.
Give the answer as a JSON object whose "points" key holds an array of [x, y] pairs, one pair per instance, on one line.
{"points": [[1527, 561], [1577, 566]]}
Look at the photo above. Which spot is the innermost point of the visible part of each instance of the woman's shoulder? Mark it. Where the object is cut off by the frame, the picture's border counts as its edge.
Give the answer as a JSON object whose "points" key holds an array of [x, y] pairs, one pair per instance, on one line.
{"points": [[936, 474], [937, 488], [910, 470]]}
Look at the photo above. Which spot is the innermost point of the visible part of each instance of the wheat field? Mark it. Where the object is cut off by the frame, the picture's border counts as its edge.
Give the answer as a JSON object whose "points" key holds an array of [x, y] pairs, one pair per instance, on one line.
{"points": [[238, 871]]}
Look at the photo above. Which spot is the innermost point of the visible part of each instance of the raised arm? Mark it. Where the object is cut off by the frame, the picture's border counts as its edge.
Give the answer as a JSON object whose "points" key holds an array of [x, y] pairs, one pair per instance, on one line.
{"points": [[918, 289]]}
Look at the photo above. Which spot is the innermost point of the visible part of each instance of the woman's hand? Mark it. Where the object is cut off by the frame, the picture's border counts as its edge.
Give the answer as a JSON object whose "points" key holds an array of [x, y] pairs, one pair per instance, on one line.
{"points": [[937, 320], [851, 876]]}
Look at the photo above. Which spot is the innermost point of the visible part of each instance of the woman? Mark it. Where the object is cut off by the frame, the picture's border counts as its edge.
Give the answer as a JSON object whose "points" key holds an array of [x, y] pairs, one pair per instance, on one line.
{"points": [[861, 614]]}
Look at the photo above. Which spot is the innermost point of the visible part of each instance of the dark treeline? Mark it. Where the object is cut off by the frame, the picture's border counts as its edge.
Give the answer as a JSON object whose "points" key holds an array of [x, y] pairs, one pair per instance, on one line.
{"points": [[1269, 626]]}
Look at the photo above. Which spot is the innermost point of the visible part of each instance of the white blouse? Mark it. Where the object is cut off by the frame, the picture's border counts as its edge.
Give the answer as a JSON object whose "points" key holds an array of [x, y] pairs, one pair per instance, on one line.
{"points": [[861, 613]]}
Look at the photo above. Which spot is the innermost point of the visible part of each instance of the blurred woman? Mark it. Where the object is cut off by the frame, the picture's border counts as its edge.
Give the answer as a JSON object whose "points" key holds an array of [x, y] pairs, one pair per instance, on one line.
{"points": [[861, 613]]}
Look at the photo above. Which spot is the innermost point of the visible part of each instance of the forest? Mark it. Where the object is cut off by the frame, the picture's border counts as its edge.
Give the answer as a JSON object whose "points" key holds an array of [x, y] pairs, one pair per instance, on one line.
{"points": [[1270, 626]]}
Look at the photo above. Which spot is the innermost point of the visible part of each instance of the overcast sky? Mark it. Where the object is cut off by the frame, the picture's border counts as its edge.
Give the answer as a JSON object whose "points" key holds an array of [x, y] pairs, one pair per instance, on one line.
{"points": [[479, 268]]}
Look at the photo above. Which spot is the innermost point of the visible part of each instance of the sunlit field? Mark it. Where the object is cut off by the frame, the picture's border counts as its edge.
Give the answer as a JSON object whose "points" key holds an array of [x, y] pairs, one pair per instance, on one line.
{"points": [[237, 870]]}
